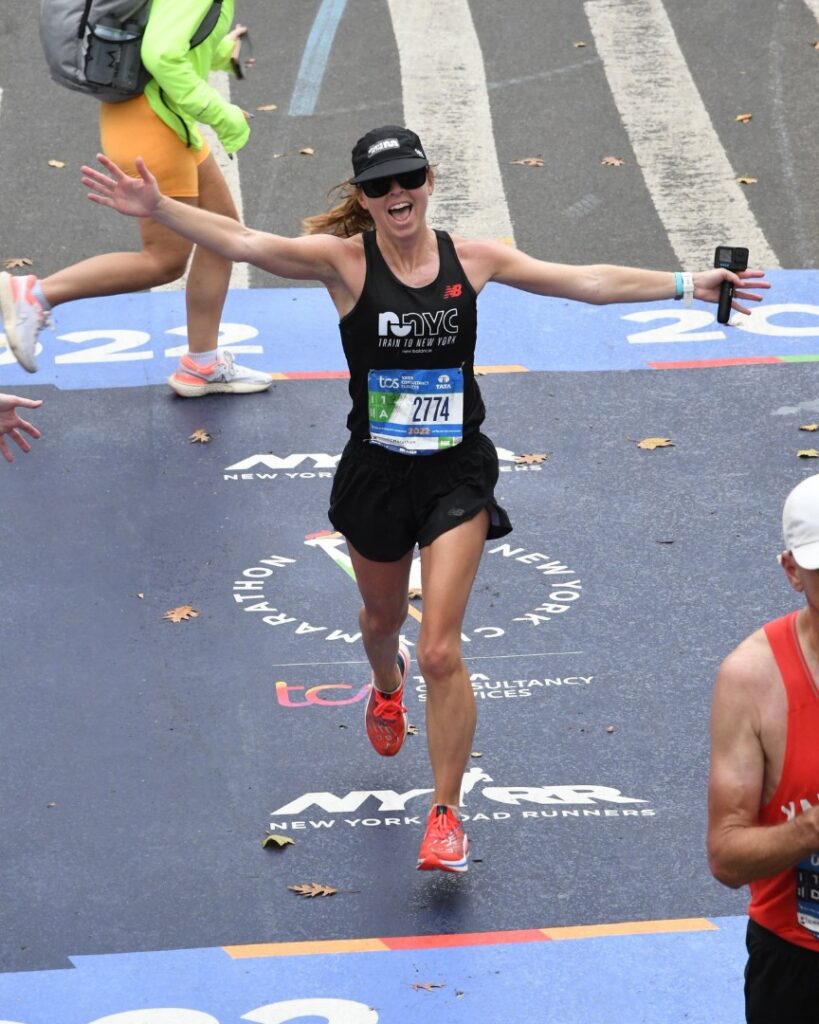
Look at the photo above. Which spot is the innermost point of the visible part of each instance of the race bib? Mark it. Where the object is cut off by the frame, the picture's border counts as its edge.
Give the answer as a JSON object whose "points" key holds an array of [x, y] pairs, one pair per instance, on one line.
{"points": [[807, 894], [418, 412]]}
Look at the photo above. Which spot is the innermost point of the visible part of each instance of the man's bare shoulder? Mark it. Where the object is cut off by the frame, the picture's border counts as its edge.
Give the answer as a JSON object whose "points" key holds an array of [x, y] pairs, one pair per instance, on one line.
{"points": [[750, 667]]}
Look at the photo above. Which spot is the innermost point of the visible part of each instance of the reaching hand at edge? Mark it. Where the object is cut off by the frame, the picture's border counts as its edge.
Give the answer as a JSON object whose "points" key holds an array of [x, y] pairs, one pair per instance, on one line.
{"points": [[135, 197], [12, 424]]}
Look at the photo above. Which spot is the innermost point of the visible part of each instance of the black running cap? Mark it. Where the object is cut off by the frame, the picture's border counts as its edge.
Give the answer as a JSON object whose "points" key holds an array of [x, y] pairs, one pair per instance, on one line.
{"points": [[385, 152]]}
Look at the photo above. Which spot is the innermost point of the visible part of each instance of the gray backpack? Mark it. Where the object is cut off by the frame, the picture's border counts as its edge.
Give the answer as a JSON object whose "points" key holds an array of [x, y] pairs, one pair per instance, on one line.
{"points": [[94, 46]]}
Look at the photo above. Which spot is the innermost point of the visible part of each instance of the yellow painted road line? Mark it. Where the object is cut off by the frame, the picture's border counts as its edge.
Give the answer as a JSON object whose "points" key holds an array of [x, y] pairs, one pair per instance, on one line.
{"points": [[502, 368], [263, 949], [593, 931]]}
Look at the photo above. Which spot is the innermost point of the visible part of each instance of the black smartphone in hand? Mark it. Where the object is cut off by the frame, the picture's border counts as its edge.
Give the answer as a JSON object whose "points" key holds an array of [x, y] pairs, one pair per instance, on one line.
{"points": [[242, 51]]}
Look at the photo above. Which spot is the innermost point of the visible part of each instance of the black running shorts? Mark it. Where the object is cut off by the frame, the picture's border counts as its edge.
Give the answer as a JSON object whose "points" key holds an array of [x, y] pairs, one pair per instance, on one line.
{"points": [[781, 980], [386, 502]]}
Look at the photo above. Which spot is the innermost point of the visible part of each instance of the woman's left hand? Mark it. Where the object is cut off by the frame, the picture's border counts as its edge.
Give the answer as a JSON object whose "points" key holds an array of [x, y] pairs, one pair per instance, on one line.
{"points": [[707, 286], [135, 197]]}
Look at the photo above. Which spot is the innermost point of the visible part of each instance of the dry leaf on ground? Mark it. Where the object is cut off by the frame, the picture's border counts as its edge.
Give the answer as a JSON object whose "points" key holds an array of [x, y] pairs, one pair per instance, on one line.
{"points": [[809, 426], [746, 179], [307, 151], [268, 106], [180, 614], [529, 161], [56, 163], [808, 453], [201, 435], [277, 841], [650, 443], [426, 986], [743, 118], [612, 161], [312, 889], [532, 458], [14, 262], [579, 44]]}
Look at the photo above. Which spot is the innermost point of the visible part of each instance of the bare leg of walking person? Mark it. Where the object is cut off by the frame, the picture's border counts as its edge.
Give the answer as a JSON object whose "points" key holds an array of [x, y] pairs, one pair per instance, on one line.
{"points": [[208, 369], [209, 275]]}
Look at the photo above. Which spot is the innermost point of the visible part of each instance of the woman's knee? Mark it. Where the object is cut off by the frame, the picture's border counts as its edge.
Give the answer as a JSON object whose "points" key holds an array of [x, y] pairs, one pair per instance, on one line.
{"points": [[439, 659], [169, 267], [384, 621]]}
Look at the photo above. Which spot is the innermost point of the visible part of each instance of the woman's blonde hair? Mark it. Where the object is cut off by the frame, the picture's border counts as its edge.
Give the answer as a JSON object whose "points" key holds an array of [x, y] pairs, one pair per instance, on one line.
{"points": [[346, 216]]}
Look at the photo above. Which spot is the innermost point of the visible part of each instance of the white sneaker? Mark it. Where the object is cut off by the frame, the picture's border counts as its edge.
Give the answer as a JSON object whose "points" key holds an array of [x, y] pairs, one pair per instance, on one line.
{"points": [[223, 375], [23, 318]]}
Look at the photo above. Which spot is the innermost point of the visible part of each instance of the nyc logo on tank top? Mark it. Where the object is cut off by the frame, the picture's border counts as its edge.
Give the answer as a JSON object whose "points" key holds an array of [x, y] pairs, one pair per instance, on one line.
{"points": [[419, 332]]}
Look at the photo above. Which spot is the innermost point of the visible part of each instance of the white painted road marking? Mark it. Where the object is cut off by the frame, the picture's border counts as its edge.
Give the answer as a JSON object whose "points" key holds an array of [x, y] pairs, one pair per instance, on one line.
{"points": [[447, 103], [688, 174], [814, 6]]}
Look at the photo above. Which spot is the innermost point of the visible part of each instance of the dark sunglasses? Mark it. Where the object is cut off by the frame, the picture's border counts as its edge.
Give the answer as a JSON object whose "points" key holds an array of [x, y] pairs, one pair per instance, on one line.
{"points": [[378, 187]]}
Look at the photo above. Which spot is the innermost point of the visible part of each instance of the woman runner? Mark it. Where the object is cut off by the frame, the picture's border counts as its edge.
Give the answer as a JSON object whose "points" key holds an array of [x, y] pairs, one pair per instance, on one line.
{"points": [[416, 469]]}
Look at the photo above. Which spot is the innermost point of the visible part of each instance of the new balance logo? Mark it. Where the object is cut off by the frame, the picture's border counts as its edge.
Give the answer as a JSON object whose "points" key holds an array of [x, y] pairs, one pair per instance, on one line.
{"points": [[453, 291]]}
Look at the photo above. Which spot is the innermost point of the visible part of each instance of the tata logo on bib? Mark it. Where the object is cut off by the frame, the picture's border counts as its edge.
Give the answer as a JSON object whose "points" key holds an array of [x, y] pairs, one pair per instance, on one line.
{"points": [[418, 325]]}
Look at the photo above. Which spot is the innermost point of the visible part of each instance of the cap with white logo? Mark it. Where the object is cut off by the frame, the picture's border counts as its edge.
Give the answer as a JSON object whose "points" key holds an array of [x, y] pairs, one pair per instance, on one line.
{"points": [[385, 152]]}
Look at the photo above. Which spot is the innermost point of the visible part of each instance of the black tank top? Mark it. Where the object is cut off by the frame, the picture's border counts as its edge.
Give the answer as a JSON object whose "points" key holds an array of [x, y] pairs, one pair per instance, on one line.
{"points": [[393, 326]]}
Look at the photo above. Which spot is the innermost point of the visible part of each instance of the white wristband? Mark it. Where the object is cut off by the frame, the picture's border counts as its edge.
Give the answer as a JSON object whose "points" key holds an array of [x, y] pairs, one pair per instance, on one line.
{"points": [[688, 289]]}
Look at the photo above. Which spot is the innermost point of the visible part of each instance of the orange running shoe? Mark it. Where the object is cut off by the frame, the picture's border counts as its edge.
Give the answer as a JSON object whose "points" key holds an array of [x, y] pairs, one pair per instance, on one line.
{"points": [[222, 376], [385, 715], [444, 846]]}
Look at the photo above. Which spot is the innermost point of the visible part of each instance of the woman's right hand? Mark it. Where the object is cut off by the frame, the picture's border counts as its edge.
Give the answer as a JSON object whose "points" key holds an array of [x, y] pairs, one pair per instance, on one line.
{"points": [[134, 197]]}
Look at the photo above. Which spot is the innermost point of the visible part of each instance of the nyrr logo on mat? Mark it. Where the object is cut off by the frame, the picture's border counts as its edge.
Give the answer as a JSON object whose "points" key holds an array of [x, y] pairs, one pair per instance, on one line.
{"points": [[266, 466], [487, 803]]}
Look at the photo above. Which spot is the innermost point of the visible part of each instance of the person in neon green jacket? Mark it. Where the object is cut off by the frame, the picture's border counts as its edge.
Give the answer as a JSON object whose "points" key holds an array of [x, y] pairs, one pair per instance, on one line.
{"points": [[162, 125], [179, 92]]}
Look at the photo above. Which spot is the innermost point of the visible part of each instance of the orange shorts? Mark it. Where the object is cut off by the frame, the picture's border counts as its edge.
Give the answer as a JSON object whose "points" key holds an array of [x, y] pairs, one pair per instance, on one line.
{"points": [[132, 129]]}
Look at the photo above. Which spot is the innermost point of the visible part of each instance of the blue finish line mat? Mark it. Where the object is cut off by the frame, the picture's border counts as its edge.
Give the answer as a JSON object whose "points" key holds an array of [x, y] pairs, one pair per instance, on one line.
{"points": [[604, 979], [145, 759], [133, 340]]}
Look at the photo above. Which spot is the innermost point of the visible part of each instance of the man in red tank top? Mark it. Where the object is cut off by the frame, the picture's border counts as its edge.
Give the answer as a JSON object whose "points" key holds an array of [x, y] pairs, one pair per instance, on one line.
{"points": [[763, 795]]}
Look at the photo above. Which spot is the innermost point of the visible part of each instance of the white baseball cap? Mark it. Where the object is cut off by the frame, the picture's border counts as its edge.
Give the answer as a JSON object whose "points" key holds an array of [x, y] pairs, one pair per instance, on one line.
{"points": [[800, 523]]}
